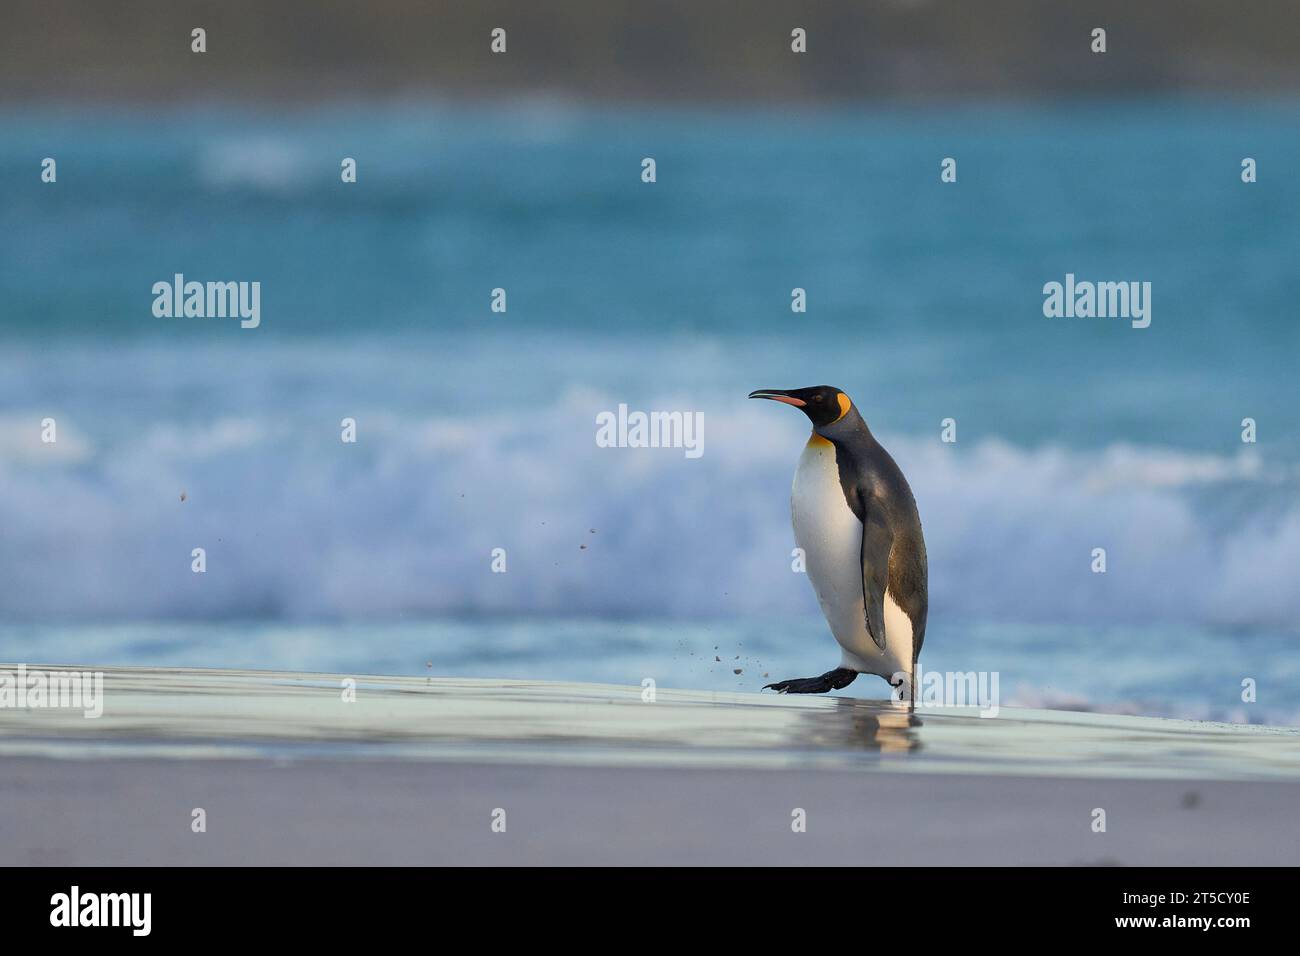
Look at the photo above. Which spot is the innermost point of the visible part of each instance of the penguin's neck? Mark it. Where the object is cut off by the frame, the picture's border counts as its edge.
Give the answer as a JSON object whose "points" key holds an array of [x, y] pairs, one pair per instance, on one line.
{"points": [[851, 430]]}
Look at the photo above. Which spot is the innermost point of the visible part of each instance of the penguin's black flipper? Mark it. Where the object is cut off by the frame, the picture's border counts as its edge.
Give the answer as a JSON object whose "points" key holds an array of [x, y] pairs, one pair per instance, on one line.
{"points": [[877, 540], [831, 680]]}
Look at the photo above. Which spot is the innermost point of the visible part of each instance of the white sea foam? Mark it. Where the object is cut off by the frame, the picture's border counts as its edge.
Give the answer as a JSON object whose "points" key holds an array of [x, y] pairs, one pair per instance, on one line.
{"points": [[299, 525]]}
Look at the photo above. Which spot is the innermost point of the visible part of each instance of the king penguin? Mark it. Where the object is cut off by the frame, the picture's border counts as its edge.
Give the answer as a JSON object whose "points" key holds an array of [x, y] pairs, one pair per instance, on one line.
{"points": [[856, 521]]}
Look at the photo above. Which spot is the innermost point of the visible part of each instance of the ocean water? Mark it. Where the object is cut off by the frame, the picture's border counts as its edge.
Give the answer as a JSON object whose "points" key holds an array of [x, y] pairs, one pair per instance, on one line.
{"points": [[476, 429]]}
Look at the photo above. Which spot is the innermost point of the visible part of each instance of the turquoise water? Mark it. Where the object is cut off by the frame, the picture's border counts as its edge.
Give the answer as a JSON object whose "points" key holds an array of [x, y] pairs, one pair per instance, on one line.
{"points": [[476, 429]]}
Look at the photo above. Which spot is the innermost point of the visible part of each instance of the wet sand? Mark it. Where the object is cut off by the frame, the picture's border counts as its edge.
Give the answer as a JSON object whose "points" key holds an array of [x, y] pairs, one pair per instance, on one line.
{"points": [[413, 770]]}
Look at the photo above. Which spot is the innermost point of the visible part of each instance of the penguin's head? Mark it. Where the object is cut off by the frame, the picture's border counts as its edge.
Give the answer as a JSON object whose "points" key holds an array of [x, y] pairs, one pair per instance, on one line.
{"points": [[823, 404]]}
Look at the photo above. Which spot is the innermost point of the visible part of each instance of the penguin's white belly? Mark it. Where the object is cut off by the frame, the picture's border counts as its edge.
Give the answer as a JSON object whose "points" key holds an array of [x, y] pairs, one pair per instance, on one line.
{"points": [[830, 535]]}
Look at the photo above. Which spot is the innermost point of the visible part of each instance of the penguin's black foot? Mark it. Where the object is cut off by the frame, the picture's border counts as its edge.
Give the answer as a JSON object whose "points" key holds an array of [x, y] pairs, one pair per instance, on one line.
{"points": [[831, 680]]}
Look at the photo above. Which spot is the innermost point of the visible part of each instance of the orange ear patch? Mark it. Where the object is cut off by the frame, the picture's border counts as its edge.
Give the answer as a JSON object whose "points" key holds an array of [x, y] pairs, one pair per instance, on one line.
{"points": [[845, 405]]}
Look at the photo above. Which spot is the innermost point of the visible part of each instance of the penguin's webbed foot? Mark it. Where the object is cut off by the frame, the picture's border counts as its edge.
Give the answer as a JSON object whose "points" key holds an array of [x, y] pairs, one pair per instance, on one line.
{"points": [[831, 680]]}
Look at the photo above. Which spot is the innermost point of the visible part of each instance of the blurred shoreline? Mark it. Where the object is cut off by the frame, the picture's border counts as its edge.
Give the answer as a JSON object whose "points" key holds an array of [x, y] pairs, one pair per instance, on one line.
{"points": [[676, 50]]}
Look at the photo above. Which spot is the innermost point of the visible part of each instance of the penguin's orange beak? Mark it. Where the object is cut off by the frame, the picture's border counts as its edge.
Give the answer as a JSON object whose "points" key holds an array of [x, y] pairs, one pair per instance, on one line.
{"points": [[776, 395]]}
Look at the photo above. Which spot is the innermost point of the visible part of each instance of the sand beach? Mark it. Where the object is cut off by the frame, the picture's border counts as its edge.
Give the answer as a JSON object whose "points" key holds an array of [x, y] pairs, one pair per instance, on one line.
{"points": [[418, 770]]}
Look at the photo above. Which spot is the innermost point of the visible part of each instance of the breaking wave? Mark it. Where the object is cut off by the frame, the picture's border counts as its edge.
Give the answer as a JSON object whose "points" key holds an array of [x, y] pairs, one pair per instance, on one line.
{"points": [[298, 525]]}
